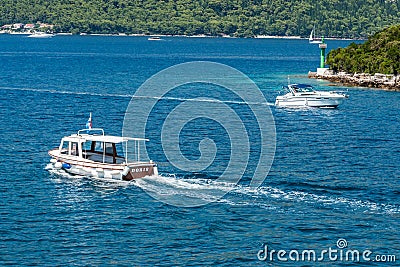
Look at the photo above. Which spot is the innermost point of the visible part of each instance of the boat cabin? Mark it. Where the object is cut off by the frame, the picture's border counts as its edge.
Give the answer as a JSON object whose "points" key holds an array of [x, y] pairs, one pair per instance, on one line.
{"points": [[95, 146], [303, 89]]}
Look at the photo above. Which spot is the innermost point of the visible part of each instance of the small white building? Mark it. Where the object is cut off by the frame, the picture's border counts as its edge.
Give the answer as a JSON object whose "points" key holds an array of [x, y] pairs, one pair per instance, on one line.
{"points": [[17, 26]]}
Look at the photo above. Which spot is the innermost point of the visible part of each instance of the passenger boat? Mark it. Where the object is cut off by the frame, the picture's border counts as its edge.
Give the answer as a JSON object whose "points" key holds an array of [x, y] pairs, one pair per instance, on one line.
{"points": [[91, 153], [304, 95]]}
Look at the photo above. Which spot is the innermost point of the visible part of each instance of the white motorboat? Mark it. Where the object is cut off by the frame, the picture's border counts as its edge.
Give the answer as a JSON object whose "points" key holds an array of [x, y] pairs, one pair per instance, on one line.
{"points": [[91, 153], [154, 38], [304, 95], [41, 35]]}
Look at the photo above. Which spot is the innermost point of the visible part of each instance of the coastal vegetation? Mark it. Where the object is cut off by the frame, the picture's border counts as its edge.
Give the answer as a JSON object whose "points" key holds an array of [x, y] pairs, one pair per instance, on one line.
{"points": [[242, 18], [379, 54]]}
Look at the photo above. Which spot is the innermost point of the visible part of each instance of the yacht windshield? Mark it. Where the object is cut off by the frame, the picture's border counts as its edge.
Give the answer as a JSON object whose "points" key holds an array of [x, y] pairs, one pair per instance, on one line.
{"points": [[302, 88]]}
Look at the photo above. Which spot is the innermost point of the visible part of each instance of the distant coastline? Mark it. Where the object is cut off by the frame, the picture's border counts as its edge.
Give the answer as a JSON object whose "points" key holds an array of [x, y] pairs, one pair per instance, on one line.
{"points": [[29, 28], [176, 35]]}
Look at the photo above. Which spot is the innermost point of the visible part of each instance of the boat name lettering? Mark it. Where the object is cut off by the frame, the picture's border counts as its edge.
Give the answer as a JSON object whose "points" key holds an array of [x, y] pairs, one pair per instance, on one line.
{"points": [[141, 169]]}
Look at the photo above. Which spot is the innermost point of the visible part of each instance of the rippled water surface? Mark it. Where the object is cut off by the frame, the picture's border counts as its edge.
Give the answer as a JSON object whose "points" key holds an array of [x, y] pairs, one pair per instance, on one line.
{"points": [[335, 172]]}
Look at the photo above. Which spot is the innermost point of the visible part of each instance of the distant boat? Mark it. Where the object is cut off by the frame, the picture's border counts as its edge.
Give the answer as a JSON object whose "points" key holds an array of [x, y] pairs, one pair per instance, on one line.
{"points": [[154, 38], [41, 35], [312, 39]]}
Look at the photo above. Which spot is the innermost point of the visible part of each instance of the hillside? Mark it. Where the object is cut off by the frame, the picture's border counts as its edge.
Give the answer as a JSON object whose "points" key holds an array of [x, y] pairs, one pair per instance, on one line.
{"points": [[333, 18], [380, 54]]}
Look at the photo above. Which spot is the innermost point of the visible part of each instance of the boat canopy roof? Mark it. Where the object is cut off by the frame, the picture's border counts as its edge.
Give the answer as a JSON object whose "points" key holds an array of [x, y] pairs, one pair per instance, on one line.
{"points": [[84, 135]]}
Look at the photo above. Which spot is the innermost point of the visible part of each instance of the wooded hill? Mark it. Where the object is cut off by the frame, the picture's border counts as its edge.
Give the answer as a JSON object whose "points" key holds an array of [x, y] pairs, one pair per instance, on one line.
{"points": [[244, 18], [379, 54]]}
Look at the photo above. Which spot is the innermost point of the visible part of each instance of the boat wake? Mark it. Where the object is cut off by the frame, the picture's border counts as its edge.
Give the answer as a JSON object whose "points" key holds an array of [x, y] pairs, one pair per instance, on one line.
{"points": [[264, 196], [63, 92], [323, 200], [208, 190]]}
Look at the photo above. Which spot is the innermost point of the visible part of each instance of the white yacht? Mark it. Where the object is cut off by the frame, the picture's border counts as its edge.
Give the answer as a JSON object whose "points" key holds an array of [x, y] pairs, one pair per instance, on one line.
{"points": [[154, 38], [304, 95], [41, 35], [91, 153]]}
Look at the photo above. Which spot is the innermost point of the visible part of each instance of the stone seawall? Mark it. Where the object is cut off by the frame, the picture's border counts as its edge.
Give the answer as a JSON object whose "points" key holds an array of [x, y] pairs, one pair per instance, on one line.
{"points": [[378, 80]]}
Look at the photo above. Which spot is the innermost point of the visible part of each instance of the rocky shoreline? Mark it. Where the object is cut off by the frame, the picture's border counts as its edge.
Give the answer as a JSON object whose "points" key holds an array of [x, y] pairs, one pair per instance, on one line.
{"points": [[378, 80]]}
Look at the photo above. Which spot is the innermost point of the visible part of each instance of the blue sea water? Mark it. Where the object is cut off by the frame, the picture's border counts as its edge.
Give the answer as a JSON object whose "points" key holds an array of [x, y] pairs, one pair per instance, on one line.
{"points": [[335, 173]]}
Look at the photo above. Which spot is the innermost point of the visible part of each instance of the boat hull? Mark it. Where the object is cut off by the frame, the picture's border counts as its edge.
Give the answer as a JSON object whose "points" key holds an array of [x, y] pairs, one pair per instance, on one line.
{"points": [[79, 166], [139, 172], [304, 95], [309, 102]]}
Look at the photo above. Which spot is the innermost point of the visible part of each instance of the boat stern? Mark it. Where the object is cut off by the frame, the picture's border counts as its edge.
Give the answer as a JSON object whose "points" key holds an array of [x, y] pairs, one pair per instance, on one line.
{"points": [[139, 171]]}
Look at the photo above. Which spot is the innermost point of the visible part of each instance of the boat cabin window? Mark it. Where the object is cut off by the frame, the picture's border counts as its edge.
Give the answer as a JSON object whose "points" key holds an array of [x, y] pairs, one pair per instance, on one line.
{"points": [[74, 149], [69, 148], [100, 147], [109, 148], [86, 146], [303, 89], [64, 148], [102, 151]]}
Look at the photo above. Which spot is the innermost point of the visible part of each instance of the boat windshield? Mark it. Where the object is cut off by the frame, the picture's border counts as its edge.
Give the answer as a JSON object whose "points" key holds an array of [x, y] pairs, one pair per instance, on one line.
{"points": [[302, 88]]}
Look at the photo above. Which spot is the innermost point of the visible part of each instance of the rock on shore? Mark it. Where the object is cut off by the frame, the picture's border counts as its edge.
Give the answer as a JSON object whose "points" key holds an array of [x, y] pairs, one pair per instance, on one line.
{"points": [[378, 80]]}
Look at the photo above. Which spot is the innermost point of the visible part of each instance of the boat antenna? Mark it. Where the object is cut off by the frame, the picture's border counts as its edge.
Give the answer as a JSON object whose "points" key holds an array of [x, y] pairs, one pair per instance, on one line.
{"points": [[89, 122], [288, 80]]}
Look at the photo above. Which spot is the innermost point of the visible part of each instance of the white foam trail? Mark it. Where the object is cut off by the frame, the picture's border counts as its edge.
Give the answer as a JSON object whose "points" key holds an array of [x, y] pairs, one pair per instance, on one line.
{"points": [[63, 92], [132, 96], [204, 188], [187, 184], [298, 196]]}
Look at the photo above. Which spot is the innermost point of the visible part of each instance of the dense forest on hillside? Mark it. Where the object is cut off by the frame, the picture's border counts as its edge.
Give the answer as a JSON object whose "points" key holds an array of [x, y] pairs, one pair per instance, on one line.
{"points": [[332, 18], [379, 54]]}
